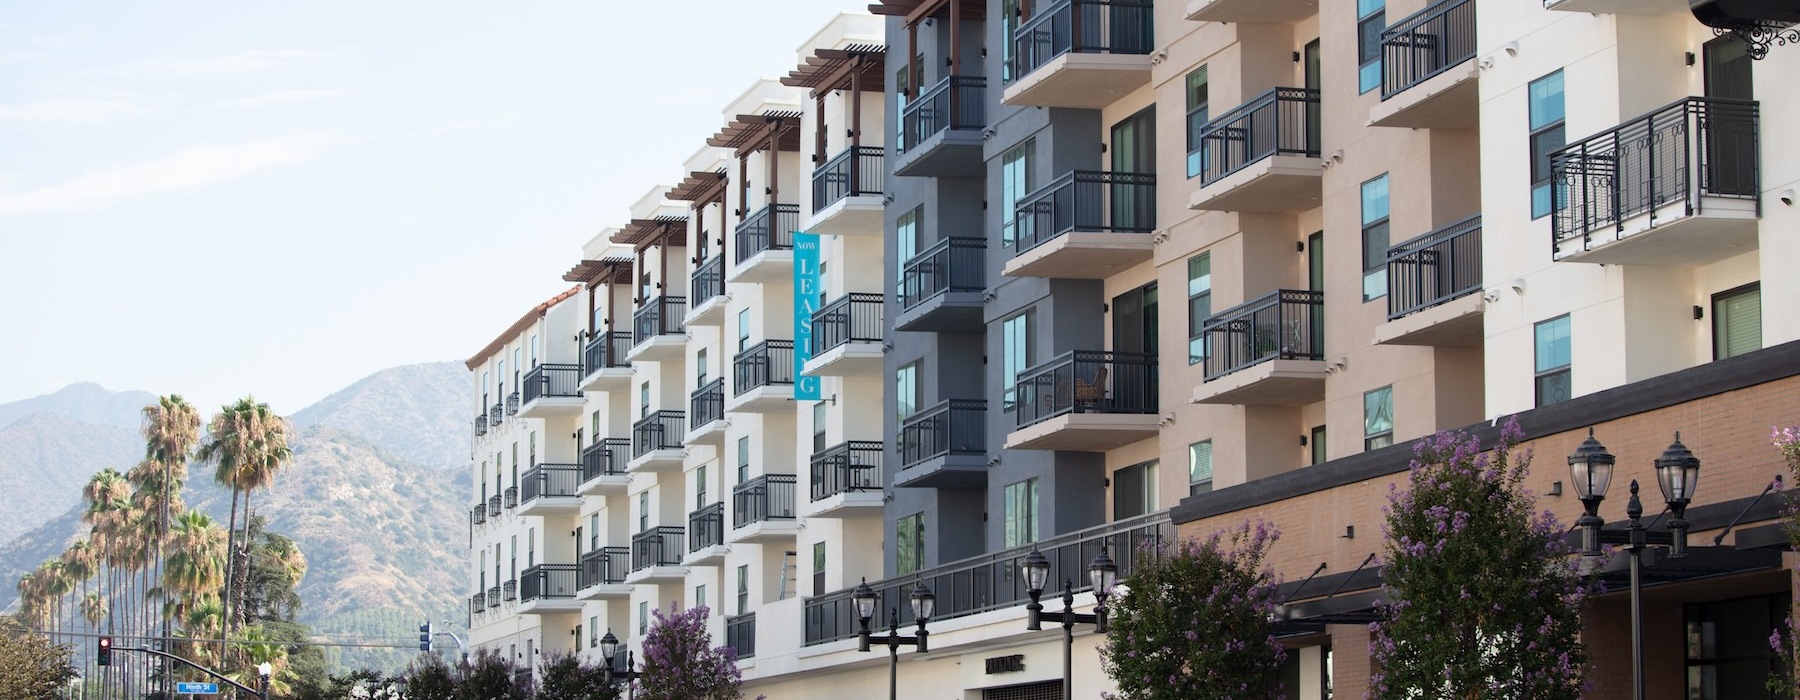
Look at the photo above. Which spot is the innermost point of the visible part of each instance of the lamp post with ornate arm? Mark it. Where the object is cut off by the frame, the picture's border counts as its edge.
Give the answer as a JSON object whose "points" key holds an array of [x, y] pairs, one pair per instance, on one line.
{"points": [[1103, 575], [609, 648], [924, 604]]}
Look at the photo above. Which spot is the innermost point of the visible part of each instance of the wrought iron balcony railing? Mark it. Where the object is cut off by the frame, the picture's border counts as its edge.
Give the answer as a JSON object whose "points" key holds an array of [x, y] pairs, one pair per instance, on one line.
{"points": [[706, 404], [1282, 121], [740, 634], [551, 480], [846, 467], [606, 565], [1087, 200], [509, 590], [1426, 43], [478, 514], [659, 546], [1088, 381], [708, 280], [853, 173], [956, 102], [481, 425], [477, 603], [950, 265], [494, 505], [661, 430], [548, 581], [764, 498], [512, 404], [1286, 325], [497, 413], [493, 597], [766, 363], [1082, 26], [770, 228], [659, 316], [511, 497], [956, 426], [561, 381], [852, 318], [1434, 268], [706, 527], [606, 457], [606, 350]]}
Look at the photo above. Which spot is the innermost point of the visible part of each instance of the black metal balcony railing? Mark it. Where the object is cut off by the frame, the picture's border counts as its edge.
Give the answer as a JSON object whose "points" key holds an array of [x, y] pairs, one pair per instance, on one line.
{"points": [[562, 381], [950, 265], [706, 527], [852, 318], [740, 634], [511, 497], [853, 173], [708, 280], [991, 581], [956, 102], [1282, 121], [481, 425], [1082, 26], [770, 228], [497, 413], [548, 581], [493, 597], [606, 565], [764, 498], [478, 514], [1693, 148], [1087, 200], [1088, 381], [659, 316], [494, 505], [846, 467], [477, 603], [606, 350], [512, 404], [706, 404], [509, 590], [604, 458], [956, 426], [1286, 325], [1434, 268], [1426, 43], [660, 546], [766, 363], [662, 430], [550, 481]]}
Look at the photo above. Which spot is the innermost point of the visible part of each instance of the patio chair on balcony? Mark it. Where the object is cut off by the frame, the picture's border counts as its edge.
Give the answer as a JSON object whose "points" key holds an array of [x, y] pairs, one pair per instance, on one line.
{"points": [[1091, 393]]}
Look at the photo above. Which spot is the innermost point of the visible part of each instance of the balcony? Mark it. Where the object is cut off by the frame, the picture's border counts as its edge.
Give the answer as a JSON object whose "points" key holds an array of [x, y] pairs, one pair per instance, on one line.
{"points": [[740, 634], [604, 470], [1268, 351], [603, 361], [1085, 225], [656, 556], [941, 288], [990, 581], [706, 536], [1432, 282], [762, 510], [765, 245], [940, 130], [551, 489], [1086, 401], [478, 514], [1262, 156], [481, 425], [656, 331], [493, 597], [706, 289], [763, 378], [509, 591], [602, 575], [846, 481], [1081, 53], [1677, 186], [477, 603], [846, 337], [1428, 69], [494, 506], [552, 390], [1621, 7], [706, 414], [945, 446], [549, 588], [656, 442], [511, 497], [497, 414], [1257, 11], [847, 193]]}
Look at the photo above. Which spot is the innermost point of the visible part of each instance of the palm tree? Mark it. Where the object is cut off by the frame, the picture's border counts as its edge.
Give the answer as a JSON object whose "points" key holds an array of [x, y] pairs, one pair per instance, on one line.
{"points": [[171, 429], [248, 443], [258, 648]]}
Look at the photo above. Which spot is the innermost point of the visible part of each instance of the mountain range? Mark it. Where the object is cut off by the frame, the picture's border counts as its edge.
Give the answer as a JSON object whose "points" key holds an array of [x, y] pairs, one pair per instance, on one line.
{"points": [[374, 497]]}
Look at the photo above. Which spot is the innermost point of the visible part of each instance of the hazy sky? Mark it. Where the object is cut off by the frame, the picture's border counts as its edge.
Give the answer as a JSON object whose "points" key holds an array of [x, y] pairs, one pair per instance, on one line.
{"points": [[220, 198]]}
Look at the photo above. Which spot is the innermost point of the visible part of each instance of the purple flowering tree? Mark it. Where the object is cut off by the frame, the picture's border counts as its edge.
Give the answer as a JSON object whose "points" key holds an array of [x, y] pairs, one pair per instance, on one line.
{"points": [[1194, 621], [1783, 683], [680, 662], [1486, 595]]}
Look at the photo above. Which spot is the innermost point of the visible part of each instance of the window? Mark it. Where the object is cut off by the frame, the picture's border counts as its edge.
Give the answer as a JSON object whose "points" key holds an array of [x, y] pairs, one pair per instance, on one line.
{"points": [[1378, 418], [1375, 237], [593, 631], [1728, 653], [1016, 353], [700, 368], [1737, 321], [1552, 361], [819, 422], [743, 329], [1199, 304], [643, 616], [1019, 521], [700, 487], [906, 390], [819, 569], [534, 351], [530, 548], [909, 543], [1197, 111], [643, 399], [594, 427], [1200, 468], [743, 459], [700, 596], [1371, 18], [1015, 182], [743, 589], [1013, 12], [1317, 443], [643, 511], [593, 531], [1134, 490], [906, 242], [577, 636], [1547, 135]]}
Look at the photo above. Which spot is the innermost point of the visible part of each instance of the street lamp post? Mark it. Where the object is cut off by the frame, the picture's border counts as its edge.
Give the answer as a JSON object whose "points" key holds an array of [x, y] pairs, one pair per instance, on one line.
{"points": [[1677, 473], [924, 604], [1103, 575], [264, 670], [609, 648]]}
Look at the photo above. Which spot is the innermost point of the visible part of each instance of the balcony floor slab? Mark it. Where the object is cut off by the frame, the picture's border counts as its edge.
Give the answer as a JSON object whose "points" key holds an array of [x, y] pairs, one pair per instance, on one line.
{"points": [[706, 556], [712, 433], [762, 399], [1258, 11], [1275, 382], [767, 267], [1448, 100], [607, 379], [606, 485], [552, 407], [851, 216], [659, 348], [949, 312], [1621, 7], [1085, 432], [605, 591], [947, 153], [765, 531], [1454, 323], [667, 459], [708, 313], [953, 471], [854, 359], [657, 575], [1280, 183], [551, 506], [1082, 255], [849, 504], [1721, 228], [549, 606], [1080, 80]]}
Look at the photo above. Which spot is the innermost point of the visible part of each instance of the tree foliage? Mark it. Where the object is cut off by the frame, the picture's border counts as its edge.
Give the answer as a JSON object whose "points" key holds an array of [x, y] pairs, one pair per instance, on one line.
{"points": [[1784, 683], [31, 668], [680, 662], [564, 677], [1194, 621], [1486, 595]]}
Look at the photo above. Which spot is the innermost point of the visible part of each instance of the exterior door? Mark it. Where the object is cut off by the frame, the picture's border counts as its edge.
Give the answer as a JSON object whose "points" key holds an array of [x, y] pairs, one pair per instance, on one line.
{"points": [[1730, 139], [1133, 373], [1133, 152], [1312, 108]]}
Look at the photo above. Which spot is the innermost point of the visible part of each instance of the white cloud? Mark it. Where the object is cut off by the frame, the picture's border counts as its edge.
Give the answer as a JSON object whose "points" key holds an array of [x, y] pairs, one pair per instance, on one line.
{"points": [[68, 110], [273, 99], [191, 168], [243, 62]]}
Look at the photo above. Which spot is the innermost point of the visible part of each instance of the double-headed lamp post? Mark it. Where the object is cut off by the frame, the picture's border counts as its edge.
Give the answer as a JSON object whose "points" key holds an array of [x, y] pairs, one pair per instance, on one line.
{"points": [[1103, 575], [1678, 473], [609, 648], [264, 670], [924, 604]]}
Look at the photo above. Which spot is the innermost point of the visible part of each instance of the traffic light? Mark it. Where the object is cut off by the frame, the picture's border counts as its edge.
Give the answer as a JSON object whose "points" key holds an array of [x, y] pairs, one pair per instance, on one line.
{"points": [[104, 656], [425, 637]]}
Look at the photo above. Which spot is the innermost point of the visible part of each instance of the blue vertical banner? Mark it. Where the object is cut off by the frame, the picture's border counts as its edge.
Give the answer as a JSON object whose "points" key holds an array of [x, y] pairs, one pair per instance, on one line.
{"points": [[806, 301]]}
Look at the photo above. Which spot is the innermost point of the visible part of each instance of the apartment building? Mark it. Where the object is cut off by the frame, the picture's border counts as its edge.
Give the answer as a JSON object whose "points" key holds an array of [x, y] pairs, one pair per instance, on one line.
{"points": [[901, 321]]}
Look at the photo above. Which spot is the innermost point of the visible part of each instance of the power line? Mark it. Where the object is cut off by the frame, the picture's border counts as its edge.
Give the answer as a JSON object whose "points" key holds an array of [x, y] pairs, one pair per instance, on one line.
{"points": [[139, 638]]}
